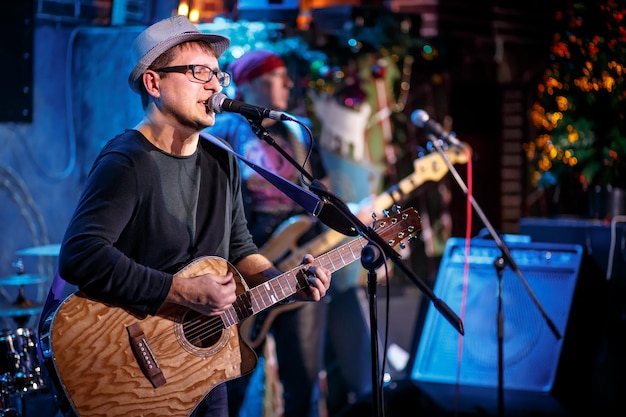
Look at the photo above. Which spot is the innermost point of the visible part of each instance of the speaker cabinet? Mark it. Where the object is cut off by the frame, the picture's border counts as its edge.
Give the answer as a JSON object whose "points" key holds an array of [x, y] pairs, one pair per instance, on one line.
{"points": [[462, 372], [600, 240]]}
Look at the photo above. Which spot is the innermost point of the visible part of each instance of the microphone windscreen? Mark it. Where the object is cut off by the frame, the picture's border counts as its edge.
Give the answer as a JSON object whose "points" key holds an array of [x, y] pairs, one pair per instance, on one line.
{"points": [[419, 118], [216, 102]]}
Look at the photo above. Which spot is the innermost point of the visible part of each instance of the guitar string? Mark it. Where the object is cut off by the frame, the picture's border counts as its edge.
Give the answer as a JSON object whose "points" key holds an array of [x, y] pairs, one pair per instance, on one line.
{"points": [[216, 325], [241, 308], [205, 330]]}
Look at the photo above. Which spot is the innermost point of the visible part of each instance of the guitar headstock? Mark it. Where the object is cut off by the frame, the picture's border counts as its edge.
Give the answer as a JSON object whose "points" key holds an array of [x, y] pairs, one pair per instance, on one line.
{"points": [[433, 167], [457, 155], [398, 227]]}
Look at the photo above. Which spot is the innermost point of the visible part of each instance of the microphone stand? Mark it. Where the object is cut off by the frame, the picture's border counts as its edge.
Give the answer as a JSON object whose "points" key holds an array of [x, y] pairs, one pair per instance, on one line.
{"points": [[371, 259], [499, 264], [336, 214]]}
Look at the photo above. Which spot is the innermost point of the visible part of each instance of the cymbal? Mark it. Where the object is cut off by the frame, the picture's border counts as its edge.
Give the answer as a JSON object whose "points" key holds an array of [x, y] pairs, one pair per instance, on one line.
{"points": [[47, 250], [22, 279], [18, 311]]}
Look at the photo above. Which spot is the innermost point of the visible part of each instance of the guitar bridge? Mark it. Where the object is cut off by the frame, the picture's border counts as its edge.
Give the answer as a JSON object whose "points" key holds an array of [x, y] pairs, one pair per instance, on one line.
{"points": [[144, 356]]}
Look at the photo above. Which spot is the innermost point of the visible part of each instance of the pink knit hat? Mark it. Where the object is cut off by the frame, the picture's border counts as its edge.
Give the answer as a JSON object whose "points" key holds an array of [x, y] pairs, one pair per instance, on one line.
{"points": [[254, 64]]}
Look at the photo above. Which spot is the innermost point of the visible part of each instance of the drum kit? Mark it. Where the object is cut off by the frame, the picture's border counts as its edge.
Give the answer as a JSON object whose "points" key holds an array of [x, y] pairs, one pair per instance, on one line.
{"points": [[20, 369]]}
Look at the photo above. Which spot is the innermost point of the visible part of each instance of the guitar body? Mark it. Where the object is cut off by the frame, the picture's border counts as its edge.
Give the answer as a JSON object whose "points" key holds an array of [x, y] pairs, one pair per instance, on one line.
{"points": [[92, 354]]}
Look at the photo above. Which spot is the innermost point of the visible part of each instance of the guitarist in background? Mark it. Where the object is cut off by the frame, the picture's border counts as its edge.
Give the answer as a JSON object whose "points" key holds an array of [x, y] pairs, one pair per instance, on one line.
{"points": [[262, 79], [158, 196]]}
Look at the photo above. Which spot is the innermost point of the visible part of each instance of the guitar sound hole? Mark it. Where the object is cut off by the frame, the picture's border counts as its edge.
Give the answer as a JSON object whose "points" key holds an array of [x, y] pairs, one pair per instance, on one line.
{"points": [[202, 331]]}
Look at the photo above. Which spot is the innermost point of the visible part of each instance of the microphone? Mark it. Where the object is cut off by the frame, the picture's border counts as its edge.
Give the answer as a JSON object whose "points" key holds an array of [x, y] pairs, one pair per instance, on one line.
{"points": [[421, 119], [220, 103]]}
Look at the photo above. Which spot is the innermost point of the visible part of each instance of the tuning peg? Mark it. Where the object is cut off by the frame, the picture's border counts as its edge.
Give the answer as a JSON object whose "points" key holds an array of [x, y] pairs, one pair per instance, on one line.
{"points": [[386, 213], [374, 218], [395, 209]]}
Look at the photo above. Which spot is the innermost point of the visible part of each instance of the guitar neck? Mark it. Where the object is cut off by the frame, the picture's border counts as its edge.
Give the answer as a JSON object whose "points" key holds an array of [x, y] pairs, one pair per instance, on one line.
{"points": [[428, 168], [391, 229], [331, 238], [283, 286], [398, 192]]}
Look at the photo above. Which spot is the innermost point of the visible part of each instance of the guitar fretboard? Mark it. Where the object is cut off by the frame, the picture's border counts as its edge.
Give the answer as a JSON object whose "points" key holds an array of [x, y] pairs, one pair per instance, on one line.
{"points": [[277, 289], [392, 229]]}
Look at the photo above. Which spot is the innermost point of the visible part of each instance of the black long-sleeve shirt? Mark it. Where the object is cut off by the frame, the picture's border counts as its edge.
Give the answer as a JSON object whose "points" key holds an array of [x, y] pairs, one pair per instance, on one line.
{"points": [[144, 214]]}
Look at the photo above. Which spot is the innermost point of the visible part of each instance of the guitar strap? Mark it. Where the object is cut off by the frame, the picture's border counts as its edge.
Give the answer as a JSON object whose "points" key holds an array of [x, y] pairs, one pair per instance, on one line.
{"points": [[55, 295]]}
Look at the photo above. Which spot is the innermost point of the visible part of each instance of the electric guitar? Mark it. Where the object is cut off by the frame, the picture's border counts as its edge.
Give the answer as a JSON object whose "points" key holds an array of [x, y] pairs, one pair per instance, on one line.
{"points": [[282, 247], [106, 361]]}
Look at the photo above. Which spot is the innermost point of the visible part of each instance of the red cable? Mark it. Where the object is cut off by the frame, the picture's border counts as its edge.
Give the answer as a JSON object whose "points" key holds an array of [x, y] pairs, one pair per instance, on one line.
{"points": [[468, 235]]}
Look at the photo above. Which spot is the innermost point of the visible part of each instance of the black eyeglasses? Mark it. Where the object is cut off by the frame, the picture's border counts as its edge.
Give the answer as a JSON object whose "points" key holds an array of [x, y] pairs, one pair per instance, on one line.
{"points": [[200, 73]]}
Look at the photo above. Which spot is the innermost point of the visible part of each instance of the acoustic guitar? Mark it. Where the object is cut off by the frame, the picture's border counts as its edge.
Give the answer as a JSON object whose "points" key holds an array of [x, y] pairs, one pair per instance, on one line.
{"points": [[106, 361]]}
